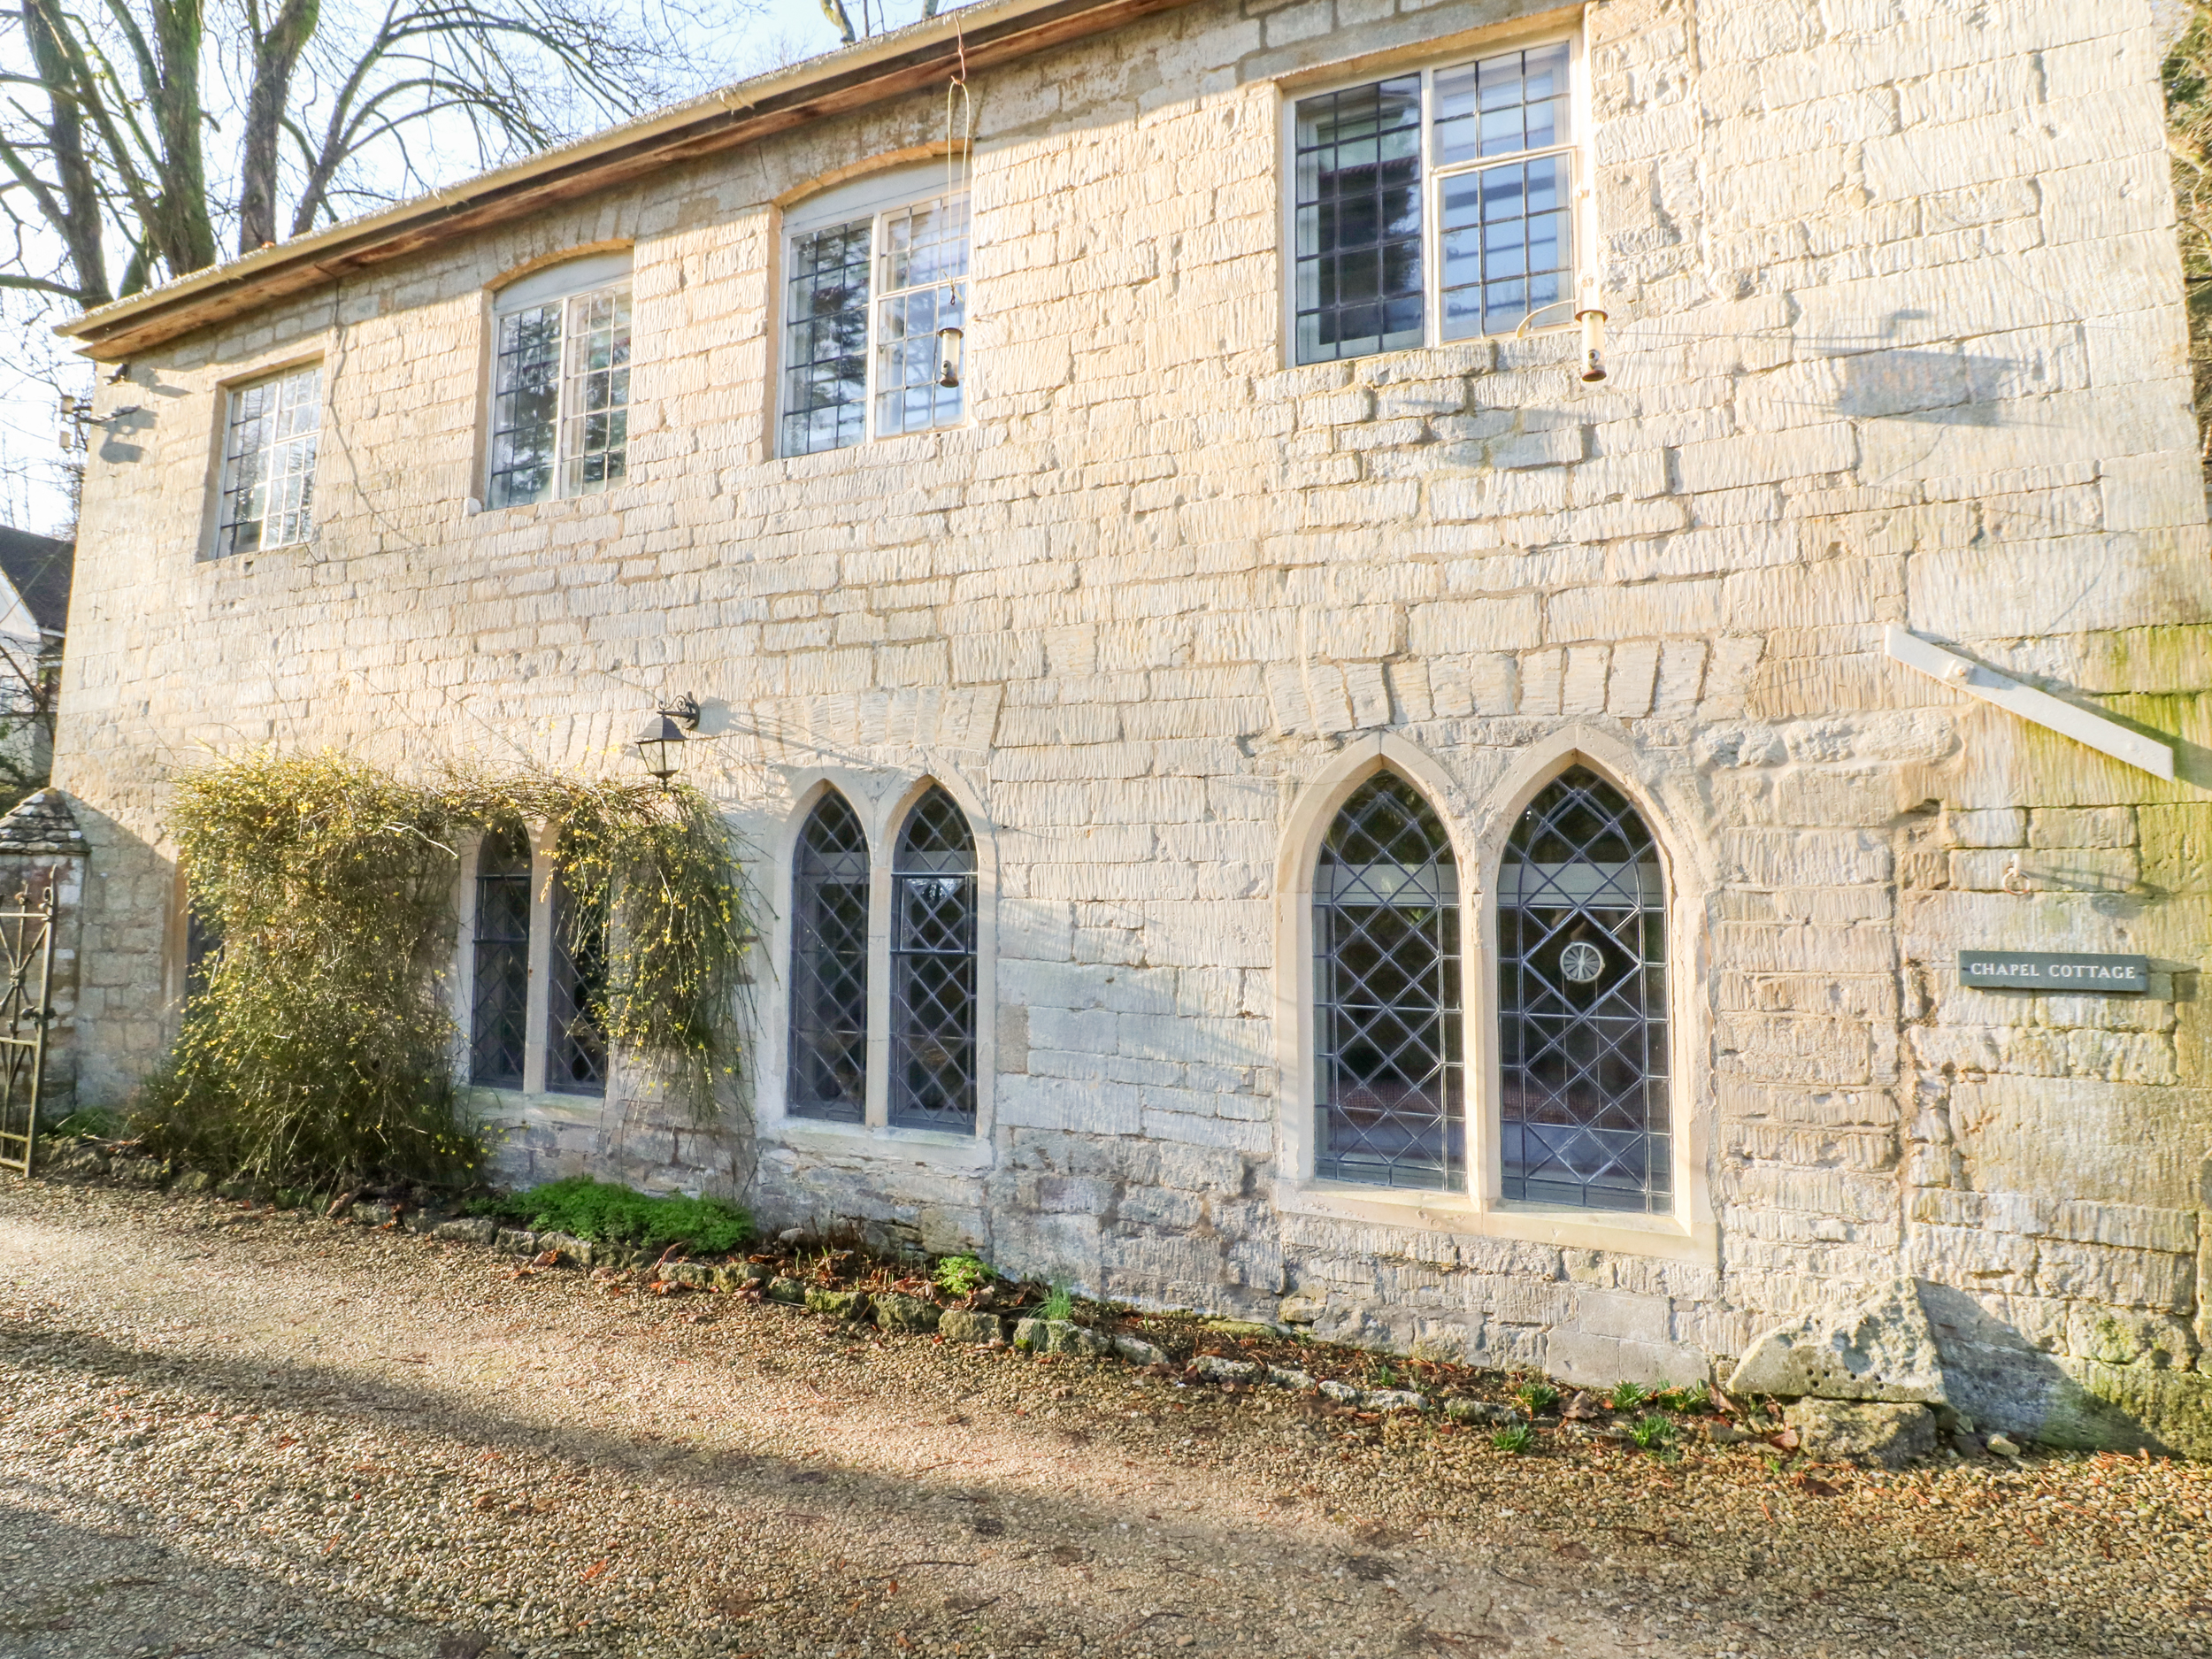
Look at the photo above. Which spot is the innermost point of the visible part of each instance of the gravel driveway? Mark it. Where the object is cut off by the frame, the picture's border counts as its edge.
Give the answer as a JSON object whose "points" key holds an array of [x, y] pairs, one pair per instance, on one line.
{"points": [[227, 1431]]}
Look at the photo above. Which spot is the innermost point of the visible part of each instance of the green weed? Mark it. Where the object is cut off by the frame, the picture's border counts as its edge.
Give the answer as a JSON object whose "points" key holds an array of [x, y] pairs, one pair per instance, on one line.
{"points": [[1520, 1437], [1652, 1433], [962, 1275], [96, 1123], [1690, 1401], [1059, 1305], [1627, 1397], [1537, 1398], [609, 1214]]}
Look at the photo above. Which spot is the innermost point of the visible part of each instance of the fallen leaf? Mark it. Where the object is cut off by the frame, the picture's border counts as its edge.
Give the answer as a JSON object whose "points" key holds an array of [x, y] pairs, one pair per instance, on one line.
{"points": [[1784, 1440], [594, 1570], [1818, 1487], [545, 1259]]}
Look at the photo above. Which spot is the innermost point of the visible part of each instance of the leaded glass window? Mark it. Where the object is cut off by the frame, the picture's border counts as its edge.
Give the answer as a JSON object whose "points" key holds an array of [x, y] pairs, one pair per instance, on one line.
{"points": [[1386, 990], [576, 999], [1434, 206], [499, 1017], [933, 969], [829, 967], [269, 442], [560, 394], [863, 304], [1584, 1112]]}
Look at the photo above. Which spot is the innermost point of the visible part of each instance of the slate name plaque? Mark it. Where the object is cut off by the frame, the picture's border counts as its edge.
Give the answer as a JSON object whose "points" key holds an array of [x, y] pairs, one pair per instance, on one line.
{"points": [[2055, 971]]}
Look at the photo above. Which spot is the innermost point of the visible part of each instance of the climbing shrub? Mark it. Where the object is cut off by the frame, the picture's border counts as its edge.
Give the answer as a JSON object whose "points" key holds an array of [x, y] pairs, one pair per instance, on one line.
{"points": [[2186, 76], [317, 1043]]}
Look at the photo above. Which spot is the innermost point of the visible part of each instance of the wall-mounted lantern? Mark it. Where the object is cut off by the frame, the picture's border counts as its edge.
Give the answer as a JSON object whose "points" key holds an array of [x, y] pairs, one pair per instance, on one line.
{"points": [[660, 740]]}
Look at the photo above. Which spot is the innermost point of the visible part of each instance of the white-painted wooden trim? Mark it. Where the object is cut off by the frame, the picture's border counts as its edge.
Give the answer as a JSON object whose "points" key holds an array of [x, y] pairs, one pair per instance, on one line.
{"points": [[2106, 736]]}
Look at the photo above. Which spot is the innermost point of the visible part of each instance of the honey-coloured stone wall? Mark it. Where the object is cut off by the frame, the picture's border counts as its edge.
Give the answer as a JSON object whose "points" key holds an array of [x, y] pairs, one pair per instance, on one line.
{"points": [[1896, 338]]}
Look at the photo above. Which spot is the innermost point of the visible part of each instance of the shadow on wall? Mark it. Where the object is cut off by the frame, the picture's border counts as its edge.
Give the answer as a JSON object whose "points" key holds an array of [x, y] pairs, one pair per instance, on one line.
{"points": [[2001, 1379]]}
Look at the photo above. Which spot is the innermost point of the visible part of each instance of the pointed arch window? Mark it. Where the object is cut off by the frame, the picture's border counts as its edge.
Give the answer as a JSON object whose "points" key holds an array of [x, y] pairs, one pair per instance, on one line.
{"points": [[934, 969], [1387, 989], [829, 967], [576, 999], [499, 1016], [1584, 1111]]}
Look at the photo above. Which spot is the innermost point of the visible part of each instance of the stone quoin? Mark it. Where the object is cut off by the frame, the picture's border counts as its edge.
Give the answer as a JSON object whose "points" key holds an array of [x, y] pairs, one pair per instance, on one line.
{"points": [[1270, 789]]}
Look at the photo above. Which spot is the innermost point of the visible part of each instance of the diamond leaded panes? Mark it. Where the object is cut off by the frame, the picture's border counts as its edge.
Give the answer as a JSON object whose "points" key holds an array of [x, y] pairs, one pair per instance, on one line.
{"points": [[500, 1014], [1584, 1113], [576, 999], [829, 967], [933, 969], [1387, 989]]}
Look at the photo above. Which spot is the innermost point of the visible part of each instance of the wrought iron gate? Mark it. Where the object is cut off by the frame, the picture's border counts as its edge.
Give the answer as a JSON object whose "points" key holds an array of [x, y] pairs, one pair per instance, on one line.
{"points": [[26, 955]]}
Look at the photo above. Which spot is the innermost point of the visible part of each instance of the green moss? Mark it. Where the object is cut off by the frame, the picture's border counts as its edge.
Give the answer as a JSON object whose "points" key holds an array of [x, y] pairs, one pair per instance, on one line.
{"points": [[607, 1214]]}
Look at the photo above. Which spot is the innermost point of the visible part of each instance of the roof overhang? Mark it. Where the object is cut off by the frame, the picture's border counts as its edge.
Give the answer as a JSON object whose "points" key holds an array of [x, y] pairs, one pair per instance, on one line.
{"points": [[981, 35]]}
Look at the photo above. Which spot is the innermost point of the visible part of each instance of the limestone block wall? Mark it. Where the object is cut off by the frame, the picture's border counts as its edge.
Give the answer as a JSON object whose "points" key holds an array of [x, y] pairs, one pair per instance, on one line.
{"points": [[1897, 339]]}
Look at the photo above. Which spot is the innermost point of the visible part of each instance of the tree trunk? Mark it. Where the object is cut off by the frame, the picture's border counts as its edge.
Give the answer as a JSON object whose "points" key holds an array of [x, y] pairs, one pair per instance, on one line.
{"points": [[185, 233], [276, 57], [80, 219]]}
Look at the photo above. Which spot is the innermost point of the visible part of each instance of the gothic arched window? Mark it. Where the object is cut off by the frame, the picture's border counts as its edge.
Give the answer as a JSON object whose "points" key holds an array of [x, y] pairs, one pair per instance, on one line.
{"points": [[933, 969], [828, 1074], [1386, 992], [499, 1016], [1584, 1114]]}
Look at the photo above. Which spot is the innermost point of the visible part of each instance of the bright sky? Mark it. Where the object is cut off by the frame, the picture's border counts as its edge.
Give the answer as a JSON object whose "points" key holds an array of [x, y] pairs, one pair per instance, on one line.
{"points": [[36, 368]]}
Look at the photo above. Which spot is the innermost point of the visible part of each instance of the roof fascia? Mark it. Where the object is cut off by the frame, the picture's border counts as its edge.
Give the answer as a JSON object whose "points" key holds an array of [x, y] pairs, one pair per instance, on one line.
{"points": [[981, 35]]}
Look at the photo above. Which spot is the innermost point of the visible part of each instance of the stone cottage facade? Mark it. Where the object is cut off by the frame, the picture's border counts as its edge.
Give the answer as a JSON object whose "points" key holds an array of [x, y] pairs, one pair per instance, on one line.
{"points": [[1279, 781]]}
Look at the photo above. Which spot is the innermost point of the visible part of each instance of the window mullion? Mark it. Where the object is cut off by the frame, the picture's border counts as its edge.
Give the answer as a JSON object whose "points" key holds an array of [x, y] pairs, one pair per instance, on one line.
{"points": [[876, 261], [1431, 202]]}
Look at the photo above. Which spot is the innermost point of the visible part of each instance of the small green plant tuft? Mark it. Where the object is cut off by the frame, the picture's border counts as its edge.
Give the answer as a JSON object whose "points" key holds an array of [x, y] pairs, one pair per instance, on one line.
{"points": [[1691, 1401], [93, 1123], [609, 1214], [962, 1275], [1653, 1432], [1059, 1305], [1518, 1438], [1626, 1396], [1537, 1398], [1381, 1373]]}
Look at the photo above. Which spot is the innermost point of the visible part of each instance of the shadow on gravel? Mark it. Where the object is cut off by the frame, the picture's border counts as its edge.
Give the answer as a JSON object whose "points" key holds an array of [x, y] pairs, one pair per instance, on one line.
{"points": [[1514, 1593]]}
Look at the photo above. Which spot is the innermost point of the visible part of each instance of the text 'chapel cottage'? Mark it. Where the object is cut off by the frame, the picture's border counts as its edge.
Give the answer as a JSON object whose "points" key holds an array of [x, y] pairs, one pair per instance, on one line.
{"points": [[1380, 658]]}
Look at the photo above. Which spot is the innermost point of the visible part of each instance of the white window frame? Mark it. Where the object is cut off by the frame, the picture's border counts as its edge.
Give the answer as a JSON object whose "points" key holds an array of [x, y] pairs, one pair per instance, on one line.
{"points": [[879, 197], [559, 285], [227, 467], [1582, 271]]}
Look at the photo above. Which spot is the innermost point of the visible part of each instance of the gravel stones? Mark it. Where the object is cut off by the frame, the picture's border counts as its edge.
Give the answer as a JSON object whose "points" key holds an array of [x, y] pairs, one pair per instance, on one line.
{"points": [[1880, 1347], [1880, 1433], [1214, 1369], [963, 1324], [896, 1311]]}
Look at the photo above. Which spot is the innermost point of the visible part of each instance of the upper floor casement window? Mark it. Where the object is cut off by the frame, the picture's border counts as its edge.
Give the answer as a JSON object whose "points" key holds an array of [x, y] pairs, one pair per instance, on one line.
{"points": [[560, 416], [874, 270], [1434, 206], [270, 429]]}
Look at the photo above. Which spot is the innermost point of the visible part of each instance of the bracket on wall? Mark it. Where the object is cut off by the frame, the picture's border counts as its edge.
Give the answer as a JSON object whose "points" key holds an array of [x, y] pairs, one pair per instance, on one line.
{"points": [[2107, 736]]}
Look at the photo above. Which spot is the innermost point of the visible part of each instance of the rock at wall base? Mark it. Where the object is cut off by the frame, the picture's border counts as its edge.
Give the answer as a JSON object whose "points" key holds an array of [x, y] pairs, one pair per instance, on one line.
{"points": [[958, 1325], [897, 1312], [1881, 1347], [1879, 1434]]}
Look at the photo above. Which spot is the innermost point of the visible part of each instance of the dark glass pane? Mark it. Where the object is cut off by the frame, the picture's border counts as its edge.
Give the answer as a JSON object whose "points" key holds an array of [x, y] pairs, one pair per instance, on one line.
{"points": [[1507, 245], [576, 999], [826, 336], [1582, 1010], [499, 1016], [525, 404], [933, 969], [829, 967], [1386, 993], [1359, 221]]}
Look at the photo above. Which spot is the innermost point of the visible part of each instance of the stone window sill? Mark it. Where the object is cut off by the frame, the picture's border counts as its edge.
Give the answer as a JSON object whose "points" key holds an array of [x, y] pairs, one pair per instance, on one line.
{"points": [[1669, 1238], [873, 1140]]}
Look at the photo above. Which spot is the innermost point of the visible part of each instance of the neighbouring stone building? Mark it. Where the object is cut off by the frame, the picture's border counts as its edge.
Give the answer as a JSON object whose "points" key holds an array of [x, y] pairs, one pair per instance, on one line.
{"points": [[1273, 790]]}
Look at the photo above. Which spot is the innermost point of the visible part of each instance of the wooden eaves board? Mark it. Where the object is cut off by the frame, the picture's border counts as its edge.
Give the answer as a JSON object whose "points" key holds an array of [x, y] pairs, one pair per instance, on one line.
{"points": [[835, 85]]}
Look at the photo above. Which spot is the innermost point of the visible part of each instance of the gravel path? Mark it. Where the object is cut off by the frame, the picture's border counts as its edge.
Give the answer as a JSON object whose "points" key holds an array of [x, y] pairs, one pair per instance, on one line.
{"points": [[226, 1432]]}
